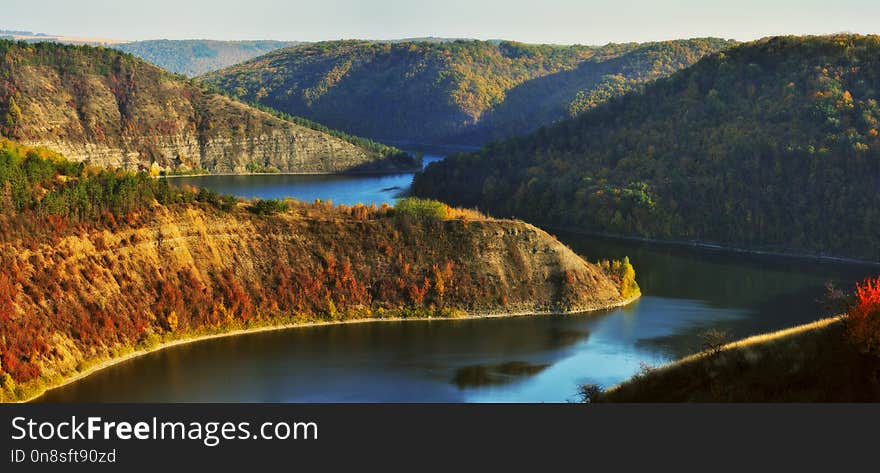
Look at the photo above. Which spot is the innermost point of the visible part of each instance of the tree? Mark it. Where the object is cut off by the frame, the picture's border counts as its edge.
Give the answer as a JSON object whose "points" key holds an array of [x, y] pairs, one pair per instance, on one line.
{"points": [[7, 298], [172, 321], [863, 318], [13, 113]]}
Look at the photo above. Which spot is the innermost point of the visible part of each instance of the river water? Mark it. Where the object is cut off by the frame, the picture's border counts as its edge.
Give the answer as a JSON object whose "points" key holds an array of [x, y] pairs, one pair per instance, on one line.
{"points": [[348, 190], [686, 291]]}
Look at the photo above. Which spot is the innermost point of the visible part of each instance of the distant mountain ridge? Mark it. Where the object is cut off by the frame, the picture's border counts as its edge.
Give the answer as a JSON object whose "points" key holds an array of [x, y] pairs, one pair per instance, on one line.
{"points": [[769, 145], [112, 109], [449, 92], [193, 57]]}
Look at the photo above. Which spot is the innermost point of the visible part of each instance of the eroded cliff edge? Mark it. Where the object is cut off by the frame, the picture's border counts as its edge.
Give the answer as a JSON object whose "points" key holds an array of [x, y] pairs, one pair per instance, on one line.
{"points": [[86, 294], [111, 109]]}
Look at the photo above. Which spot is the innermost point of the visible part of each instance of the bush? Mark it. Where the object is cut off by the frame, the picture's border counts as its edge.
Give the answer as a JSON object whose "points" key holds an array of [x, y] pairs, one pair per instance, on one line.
{"points": [[623, 273], [714, 340], [863, 321], [422, 208], [589, 393], [268, 207]]}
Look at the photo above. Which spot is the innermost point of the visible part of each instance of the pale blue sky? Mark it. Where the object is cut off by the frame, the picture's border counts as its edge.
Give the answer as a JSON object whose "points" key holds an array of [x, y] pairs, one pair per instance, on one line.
{"points": [[544, 21]]}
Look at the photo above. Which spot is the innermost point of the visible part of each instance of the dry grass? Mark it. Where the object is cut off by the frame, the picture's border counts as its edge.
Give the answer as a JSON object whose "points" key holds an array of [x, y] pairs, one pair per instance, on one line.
{"points": [[808, 363]]}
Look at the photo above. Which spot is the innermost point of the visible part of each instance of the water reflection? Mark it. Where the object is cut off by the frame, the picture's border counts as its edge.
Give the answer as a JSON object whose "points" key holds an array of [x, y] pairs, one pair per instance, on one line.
{"points": [[485, 375]]}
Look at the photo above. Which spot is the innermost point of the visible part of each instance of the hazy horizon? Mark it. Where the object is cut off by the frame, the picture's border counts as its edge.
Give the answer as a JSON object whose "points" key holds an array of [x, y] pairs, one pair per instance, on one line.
{"points": [[553, 21]]}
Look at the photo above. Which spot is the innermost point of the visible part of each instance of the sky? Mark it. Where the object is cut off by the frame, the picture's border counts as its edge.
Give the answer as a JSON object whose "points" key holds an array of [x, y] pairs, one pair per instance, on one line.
{"points": [[532, 21]]}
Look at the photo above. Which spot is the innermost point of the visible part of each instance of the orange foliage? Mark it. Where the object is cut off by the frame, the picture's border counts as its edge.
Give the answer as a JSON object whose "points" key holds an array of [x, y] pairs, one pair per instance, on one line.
{"points": [[863, 324], [353, 262], [7, 298]]}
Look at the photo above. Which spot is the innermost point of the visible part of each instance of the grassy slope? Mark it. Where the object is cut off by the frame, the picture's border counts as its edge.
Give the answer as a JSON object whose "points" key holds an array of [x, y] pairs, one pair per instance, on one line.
{"points": [[808, 363]]}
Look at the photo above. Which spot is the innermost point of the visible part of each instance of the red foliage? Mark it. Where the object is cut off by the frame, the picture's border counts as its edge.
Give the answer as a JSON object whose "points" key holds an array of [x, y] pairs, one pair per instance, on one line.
{"points": [[416, 293], [236, 297], [345, 265], [197, 297], [169, 298], [7, 298], [863, 324]]}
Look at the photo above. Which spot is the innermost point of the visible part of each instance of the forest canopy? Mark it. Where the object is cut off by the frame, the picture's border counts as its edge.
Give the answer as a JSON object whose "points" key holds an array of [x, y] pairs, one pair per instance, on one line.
{"points": [[460, 91], [772, 144]]}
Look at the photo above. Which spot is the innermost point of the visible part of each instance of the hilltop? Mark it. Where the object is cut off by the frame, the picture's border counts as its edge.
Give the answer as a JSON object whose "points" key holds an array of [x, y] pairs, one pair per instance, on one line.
{"points": [[98, 264], [769, 145], [193, 57], [112, 109], [450, 92]]}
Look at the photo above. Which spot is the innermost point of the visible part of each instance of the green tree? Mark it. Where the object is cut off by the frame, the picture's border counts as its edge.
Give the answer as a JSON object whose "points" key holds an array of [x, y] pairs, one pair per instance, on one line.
{"points": [[13, 113]]}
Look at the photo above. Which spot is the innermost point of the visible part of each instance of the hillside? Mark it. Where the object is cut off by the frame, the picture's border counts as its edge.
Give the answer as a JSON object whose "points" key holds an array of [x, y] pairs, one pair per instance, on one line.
{"points": [[808, 363], [193, 57], [111, 109], [768, 145], [454, 92], [95, 264]]}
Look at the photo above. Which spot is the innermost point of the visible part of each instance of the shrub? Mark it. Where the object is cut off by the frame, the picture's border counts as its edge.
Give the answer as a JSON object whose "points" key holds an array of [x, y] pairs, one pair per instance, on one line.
{"points": [[261, 169], [589, 393], [422, 208], [863, 321], [714, 340], [623, 273], [209, 196], [268, 207]]}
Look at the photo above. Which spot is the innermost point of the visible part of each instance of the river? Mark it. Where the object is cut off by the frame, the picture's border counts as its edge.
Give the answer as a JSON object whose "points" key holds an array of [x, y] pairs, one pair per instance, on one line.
{"points": [[341, 189], [686, 291]]}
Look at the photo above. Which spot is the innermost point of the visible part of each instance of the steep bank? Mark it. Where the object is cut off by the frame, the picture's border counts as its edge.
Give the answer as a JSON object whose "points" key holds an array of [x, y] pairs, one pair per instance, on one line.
{"points": [[808, 363], [139, 263], [111, 109], [190, 270]]}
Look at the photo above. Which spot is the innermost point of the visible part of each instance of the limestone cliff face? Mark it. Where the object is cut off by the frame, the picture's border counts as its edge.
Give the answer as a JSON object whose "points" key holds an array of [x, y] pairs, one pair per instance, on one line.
{"points": [[111, 109], [79, 295]]}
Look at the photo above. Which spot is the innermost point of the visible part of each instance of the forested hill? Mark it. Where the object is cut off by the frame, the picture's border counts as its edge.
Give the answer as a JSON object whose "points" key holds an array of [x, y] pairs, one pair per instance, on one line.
{"points": [[192, 57], [454, 92], [112, 109], [772, 144]]}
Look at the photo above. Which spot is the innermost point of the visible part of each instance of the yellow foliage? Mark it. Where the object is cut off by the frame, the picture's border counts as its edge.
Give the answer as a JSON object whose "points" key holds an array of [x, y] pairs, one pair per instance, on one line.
{"points": [[172, 321]]}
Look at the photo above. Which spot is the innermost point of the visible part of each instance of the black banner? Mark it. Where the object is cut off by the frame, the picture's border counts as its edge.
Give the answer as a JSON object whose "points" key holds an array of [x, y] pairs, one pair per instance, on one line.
{"points": [[234, 437]]}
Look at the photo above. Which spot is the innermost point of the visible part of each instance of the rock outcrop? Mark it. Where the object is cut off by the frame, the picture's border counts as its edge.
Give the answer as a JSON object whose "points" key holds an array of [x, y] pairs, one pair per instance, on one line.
{"points": [[79, 296], [113, 110]]}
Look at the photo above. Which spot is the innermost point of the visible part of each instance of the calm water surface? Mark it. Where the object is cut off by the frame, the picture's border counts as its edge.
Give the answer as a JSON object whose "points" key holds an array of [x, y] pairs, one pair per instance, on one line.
{"points": [[348, 190], [521, 359]]}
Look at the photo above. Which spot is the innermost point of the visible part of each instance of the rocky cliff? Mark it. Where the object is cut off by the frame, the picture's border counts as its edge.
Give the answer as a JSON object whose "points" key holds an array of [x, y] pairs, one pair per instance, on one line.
{"points": [[114, 110], [75, 296]]}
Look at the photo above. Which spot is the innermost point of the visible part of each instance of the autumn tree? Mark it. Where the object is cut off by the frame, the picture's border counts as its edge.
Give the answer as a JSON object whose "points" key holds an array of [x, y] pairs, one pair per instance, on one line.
{"points": [[863, 318], [13, 113], [7, 298]]}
